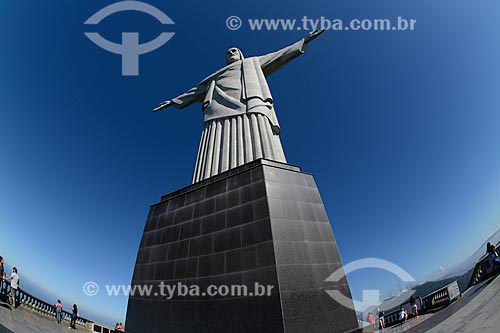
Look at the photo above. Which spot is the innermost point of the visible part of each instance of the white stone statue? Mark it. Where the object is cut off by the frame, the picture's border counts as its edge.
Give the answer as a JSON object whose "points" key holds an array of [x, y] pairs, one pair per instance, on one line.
{"points": [[240, 124]]}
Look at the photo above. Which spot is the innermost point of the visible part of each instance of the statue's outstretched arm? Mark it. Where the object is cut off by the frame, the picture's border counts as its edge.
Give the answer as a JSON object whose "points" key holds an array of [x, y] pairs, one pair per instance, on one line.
{"points": [[193, 95], [273, 61]]}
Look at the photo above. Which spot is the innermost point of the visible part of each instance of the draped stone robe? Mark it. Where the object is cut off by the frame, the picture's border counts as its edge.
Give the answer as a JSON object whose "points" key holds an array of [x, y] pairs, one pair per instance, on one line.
{"points": [[240, 124]]}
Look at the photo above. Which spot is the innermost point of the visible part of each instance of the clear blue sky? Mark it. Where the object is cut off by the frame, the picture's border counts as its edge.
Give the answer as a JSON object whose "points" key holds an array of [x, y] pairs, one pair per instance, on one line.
{"points": [[400, 129]]}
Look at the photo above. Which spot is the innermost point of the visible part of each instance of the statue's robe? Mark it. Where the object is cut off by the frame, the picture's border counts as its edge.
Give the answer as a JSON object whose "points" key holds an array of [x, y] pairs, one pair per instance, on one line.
{"points": [[240, 124]]}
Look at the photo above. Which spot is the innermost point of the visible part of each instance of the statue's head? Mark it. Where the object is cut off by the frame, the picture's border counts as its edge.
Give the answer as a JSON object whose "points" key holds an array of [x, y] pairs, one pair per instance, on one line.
{"points": [[233, 54]]}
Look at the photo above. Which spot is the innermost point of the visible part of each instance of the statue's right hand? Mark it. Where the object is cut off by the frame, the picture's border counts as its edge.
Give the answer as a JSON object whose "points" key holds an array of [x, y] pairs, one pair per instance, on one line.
{"points": [[313, 35], [162, 106]]}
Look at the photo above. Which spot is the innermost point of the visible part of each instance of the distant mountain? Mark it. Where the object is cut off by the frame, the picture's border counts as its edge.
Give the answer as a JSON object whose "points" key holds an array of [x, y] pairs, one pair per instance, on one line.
{"points": [[392, 302], [471, 261], [422, 290], [428, 287]]}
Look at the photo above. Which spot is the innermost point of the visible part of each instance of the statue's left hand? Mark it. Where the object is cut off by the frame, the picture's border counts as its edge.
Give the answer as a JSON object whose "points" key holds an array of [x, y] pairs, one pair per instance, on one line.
{"points": [[162, 106], [313, 35]]}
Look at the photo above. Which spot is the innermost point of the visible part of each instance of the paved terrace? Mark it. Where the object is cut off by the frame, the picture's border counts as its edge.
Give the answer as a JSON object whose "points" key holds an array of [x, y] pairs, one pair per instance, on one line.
{"points": [[476, 311], [22, 320], [26, 320]]}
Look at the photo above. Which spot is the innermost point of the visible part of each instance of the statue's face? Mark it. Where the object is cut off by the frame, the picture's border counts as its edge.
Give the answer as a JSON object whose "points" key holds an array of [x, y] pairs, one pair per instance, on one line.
{"points": [[232, 55]]}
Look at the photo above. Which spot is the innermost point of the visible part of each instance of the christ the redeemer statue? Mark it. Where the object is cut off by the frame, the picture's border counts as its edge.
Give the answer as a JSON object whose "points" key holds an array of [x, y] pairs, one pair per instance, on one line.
{"points": [[240, 124]]}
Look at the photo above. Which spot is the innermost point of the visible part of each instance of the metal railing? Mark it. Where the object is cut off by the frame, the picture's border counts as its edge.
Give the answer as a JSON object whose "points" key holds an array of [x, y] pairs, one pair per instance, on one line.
{"points": [[36, 305], [392, 317], [441, 297], [437, 299], [484, 269]]}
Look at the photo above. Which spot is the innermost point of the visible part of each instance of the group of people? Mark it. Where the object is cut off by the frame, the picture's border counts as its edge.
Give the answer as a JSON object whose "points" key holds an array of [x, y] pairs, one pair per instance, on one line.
{"points": [[74, 314], [120, 327], [14, 283], [403, 313], [379, 322]]}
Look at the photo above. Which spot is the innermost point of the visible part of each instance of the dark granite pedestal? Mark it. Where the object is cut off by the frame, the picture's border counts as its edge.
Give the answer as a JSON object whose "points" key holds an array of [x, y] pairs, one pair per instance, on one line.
{"points": [[263, 222]]}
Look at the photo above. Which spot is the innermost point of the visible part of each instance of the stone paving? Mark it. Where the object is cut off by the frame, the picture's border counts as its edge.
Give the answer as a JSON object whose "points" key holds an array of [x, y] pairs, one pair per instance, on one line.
{"points": [[24, 321], [480, 314]]}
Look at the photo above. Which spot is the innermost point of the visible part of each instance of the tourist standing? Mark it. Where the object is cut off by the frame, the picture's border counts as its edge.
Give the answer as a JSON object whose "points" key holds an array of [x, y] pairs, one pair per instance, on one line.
{"points": [[490, 248], [414, 306], [402, 315], [2, 276], [74, 317], [371, 319], [381, 321], [13, 285], [58, 307]]}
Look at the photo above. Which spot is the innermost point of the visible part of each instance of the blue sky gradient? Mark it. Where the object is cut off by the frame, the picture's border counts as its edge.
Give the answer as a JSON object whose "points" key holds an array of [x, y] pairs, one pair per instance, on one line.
{"points": [[400, 129]]}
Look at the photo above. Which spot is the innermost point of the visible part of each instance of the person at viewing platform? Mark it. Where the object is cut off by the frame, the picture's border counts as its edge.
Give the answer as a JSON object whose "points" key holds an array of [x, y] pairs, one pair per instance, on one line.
{"points": [[414, 306], [371, 319], [490, 248], [381, 321], [415, 310], [14, 278], [403, 315], [2, 275], [74, 317], [58, 307]]}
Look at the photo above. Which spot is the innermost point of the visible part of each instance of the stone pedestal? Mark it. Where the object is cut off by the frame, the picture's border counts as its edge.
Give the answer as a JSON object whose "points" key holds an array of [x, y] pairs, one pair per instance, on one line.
{"points": [[263, 222]]}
